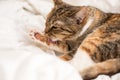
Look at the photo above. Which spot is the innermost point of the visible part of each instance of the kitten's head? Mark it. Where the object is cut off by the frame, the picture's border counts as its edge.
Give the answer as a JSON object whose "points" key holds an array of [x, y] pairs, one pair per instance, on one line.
{"points": [[65, 21]]}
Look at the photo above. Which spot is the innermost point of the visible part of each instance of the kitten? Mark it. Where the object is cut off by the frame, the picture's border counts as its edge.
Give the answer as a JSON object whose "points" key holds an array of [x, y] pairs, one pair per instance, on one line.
{"points": [[88, 37]]}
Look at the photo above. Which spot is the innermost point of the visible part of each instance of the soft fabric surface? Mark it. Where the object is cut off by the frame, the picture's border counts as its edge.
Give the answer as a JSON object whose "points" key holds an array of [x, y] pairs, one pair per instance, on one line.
{"points": [[21, 58]]}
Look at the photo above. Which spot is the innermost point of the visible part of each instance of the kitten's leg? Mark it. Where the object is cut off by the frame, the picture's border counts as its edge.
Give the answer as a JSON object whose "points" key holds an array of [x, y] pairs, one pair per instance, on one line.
{"points": [[107, 67], [106, 56], [61, 45], [58, 46]]}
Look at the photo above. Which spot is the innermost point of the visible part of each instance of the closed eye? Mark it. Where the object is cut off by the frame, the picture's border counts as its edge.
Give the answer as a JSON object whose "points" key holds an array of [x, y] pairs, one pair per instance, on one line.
{"points": [[53, 27], [50, 29], [68, 30]]}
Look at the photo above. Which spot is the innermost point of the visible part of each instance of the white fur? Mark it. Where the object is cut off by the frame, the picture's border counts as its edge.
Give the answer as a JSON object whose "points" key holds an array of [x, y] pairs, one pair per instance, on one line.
{"points": [[81, 60], [86, 26]]}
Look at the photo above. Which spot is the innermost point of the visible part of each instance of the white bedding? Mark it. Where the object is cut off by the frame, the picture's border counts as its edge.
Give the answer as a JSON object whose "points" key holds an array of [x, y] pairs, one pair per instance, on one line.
{"points": [[21, 57]]}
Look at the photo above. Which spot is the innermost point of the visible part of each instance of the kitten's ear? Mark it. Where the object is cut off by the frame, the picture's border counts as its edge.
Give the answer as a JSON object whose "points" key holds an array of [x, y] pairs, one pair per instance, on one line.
{"points": [[57, 2], [82, 13]]}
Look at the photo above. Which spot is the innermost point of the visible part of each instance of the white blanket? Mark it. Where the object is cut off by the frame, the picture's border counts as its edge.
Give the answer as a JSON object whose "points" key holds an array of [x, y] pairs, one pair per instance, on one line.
{"points": [[21, 57]]}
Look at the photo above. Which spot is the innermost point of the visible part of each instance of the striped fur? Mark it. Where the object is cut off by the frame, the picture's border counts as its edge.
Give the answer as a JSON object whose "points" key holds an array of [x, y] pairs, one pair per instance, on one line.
{"points": [[93, 47]]}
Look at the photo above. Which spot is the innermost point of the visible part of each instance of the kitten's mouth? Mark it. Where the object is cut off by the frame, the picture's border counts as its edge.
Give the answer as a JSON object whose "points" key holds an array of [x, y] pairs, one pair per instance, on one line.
{"points": [[52, 41]]}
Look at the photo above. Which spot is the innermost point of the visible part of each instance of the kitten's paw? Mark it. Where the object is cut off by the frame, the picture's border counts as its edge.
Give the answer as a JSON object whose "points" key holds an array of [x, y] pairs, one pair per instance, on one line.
{"points": [[34, 34]]}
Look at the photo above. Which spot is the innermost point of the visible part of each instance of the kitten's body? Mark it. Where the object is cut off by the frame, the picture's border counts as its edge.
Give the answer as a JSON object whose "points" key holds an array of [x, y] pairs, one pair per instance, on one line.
{"points": [[86, 32]]}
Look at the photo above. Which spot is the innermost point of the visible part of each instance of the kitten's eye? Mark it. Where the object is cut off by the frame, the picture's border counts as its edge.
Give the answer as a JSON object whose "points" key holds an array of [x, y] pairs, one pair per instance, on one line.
{"points": [[53, 27], [78, 21]]}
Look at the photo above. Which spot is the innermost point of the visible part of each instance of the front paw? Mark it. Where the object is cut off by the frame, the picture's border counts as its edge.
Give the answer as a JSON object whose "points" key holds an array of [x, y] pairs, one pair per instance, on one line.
{"points": [[32, 34], [35, 35]]}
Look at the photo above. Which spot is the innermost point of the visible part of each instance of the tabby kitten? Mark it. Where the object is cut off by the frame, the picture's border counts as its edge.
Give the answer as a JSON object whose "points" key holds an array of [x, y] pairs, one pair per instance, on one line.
{"points": [[86, 35]]}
